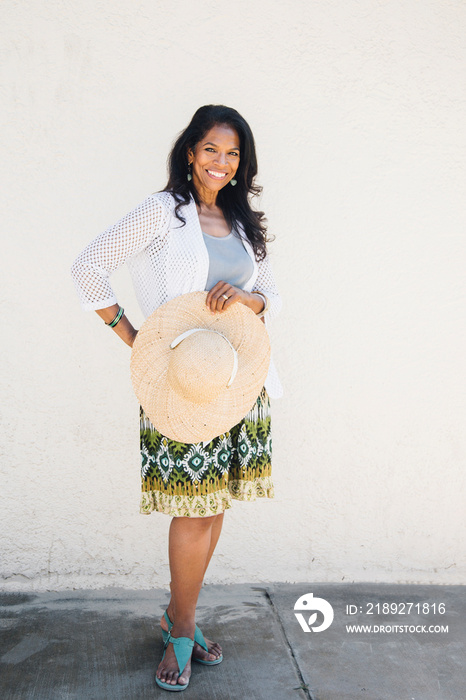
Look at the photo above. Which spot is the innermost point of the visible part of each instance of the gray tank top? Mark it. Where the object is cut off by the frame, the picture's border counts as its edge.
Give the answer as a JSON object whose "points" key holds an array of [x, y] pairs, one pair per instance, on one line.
{"points": [[228, 260]]}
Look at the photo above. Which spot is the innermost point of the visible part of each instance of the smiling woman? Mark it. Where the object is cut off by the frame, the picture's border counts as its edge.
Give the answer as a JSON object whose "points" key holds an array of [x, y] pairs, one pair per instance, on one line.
{"points": [[219, 139], [213, 163], [198, 234], [215, 158]]}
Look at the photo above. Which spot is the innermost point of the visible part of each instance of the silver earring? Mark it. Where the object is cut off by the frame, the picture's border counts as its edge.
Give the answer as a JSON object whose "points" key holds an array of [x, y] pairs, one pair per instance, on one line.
{"points": [[233, 182], [189, 176]]}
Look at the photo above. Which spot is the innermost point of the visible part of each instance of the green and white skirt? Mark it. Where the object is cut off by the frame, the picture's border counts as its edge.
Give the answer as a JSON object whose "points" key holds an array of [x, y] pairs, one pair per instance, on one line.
{"points": [[201, 479]]}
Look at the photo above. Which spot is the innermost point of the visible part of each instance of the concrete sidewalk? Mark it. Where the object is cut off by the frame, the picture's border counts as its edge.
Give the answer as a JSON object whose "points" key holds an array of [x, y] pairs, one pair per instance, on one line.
{"points": [[106, 644]]}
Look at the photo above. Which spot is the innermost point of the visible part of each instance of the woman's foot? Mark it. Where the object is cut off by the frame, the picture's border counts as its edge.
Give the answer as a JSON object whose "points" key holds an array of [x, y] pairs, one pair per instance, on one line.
{"points": [[168, 670], [214, 650]]}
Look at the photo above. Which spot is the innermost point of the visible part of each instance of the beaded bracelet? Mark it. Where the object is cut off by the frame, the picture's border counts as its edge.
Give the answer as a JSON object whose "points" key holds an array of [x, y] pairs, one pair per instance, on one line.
{"points": [[266, 304], [117, 318]]}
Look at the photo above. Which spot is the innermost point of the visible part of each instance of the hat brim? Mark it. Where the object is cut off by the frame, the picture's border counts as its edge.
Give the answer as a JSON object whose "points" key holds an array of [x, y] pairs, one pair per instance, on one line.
{"points": [[172, 414]]}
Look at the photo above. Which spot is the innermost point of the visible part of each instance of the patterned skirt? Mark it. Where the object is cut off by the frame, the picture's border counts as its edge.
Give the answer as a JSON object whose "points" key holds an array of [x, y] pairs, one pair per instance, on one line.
{"points": [[201, 479]]}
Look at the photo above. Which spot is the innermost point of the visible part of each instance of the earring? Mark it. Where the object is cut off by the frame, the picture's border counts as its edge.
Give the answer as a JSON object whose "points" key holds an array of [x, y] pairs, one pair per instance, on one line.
{"points": [[233, 182], [189, 176]]}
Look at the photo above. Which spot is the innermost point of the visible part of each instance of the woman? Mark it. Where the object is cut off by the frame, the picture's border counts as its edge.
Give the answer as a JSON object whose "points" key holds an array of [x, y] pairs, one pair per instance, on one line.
{"points": [[199, 233]]}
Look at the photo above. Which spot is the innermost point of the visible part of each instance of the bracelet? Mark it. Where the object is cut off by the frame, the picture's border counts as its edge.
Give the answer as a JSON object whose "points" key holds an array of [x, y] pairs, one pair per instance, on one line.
{"points": [[266, 304], [117, 318]]}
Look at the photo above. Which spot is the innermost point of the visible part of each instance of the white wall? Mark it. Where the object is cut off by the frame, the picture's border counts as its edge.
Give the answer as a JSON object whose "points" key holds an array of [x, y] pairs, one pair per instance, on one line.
{"points": [[358, 109]]}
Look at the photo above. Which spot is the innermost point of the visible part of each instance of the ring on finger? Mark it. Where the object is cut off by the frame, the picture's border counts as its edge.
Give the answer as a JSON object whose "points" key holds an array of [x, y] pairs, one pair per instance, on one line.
{"points": [[225, 297]]}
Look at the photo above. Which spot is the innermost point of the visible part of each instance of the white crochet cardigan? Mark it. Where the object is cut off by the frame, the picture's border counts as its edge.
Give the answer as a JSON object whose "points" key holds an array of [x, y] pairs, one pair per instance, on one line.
{"points": [[165, 259]]}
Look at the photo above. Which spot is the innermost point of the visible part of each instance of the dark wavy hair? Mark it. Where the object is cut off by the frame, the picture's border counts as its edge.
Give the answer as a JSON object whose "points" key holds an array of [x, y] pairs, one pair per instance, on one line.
{"points": [[233, 201]]}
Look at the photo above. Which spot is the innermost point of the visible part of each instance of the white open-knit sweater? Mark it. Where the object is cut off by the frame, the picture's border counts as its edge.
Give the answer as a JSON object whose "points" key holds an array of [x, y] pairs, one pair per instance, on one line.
{"points": [[165, 259]]}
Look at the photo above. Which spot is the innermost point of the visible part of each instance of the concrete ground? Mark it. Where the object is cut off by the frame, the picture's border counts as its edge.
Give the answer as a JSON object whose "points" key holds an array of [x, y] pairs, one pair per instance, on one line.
{"points": [[106, 644]]}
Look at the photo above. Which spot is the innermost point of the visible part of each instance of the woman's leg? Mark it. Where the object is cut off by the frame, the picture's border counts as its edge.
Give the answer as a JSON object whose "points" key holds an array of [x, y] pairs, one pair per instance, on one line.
{"points": [[215, 534], [215, 649], [189, 546]]}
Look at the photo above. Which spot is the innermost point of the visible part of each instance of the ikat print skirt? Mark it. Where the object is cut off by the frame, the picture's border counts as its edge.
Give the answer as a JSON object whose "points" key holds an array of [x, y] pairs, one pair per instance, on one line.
{"points": [[201, 479]]}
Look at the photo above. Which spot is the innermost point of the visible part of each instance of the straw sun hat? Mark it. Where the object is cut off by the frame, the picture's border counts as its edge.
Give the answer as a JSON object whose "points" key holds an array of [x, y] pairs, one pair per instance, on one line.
{"points": [[197, 374]]}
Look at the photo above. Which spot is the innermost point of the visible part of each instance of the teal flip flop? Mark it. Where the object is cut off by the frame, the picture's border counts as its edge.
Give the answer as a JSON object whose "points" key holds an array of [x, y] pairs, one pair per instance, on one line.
{"points": [[198, 637], [183, 648]]}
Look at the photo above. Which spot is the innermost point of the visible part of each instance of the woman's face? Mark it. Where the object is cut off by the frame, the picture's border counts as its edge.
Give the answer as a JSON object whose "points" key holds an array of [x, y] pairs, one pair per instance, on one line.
{"points": [[215, 159]]}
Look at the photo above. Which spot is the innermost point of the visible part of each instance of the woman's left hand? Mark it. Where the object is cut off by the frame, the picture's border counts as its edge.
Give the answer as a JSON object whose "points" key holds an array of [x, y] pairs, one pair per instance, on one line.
{"points": [[223, 295]]}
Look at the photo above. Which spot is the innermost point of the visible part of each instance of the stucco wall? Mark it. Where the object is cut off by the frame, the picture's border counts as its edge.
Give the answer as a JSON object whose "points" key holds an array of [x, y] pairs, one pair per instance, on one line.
{"points": [[358, 109]]}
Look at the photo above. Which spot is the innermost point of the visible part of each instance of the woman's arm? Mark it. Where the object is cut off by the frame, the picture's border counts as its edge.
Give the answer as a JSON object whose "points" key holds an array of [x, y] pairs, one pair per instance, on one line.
{"points": [[110, 249], [265, 284], [123, 328]]}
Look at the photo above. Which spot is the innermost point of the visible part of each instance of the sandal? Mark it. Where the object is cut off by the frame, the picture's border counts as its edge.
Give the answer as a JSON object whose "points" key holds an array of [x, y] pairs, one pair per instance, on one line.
{"points": [[183, 648], [198, 638]]}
